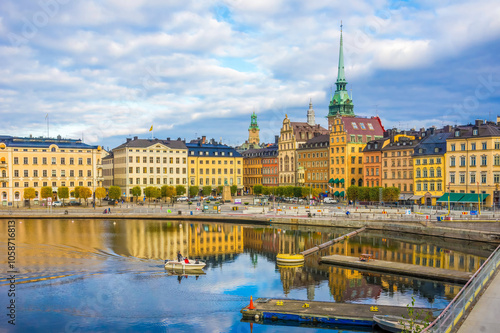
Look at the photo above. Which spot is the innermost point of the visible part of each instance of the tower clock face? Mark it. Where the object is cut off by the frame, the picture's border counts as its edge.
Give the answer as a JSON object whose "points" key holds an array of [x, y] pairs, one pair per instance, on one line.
{"points": [[254, 130]]}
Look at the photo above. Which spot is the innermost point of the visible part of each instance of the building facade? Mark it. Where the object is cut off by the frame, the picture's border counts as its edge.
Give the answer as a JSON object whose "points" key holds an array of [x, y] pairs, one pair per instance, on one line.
{"points": [[312, 158], [473, 161], [348, 138], [214, 164], [373, 162], [397, 163], [270, 175], [149, 162], [429, 169], [252, 169], [38, 162], [292, 135]]}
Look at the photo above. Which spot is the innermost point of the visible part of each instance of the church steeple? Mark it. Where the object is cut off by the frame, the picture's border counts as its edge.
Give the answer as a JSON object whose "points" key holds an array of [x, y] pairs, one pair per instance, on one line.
{"points": [[341, 103], [310, 114], [253, 130]]}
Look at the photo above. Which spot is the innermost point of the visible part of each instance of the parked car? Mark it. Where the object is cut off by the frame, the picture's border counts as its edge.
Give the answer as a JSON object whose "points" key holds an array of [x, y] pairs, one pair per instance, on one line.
{"points": [[74, 203], [196, 198], [57, 204], [329, 200], [182, 199]]}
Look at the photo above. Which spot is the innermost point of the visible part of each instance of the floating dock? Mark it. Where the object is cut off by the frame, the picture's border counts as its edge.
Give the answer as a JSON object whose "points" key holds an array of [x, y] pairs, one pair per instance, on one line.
{"points": [[320, 312], [426, 272]]}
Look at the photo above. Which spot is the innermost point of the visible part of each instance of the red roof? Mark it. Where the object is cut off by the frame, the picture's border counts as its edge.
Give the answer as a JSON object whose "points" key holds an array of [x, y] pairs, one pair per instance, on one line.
{"points": [[363, 126]]}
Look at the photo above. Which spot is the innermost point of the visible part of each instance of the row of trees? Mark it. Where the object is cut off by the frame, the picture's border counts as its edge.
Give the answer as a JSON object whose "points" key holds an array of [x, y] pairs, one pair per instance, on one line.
{"points": [[63, 193], [363, 193], [286, 191]]}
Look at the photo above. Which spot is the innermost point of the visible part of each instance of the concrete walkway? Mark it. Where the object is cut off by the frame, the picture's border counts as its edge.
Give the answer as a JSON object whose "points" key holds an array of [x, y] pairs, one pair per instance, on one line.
{"points": [[485, 316]]}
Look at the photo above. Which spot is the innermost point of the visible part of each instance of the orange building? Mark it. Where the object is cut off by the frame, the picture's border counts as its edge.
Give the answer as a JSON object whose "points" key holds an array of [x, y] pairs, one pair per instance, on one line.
{"points": [[373, 162], [252, 169]]}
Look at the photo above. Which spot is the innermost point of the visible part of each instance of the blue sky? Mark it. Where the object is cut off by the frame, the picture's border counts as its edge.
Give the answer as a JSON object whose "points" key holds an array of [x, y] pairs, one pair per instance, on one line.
{"points": [[107, 70]]}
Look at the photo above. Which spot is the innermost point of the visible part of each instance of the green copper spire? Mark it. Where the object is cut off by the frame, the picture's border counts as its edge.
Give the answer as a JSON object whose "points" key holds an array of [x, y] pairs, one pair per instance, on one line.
{"points": [[253, 121], [340, 103]]}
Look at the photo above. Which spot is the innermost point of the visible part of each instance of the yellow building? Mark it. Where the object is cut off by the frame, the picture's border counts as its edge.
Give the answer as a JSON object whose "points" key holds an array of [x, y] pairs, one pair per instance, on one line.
{"points": [[206, 240], [348, 138], [429, 168], [147, 162], [473, 163], [37, 162], [214, 164]]}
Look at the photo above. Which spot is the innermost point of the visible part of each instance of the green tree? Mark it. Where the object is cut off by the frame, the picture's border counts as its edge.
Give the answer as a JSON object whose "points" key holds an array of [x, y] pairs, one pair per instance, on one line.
{"points": [[234, 189], [85, 193], [297, 191], [77, 193], [316, 192], [375, 193], [288, 191], [306, 191], [257, 189], [390, 194], [353, 192], [46, 192], [170, 192], [152, 192], [206, 190], [180, 189], [279, 190], [163, 191], [266, 190], [29, 193], [193, 191], [136, 192], [364, 193], [115, 192], [63, 193], [100, 193]]}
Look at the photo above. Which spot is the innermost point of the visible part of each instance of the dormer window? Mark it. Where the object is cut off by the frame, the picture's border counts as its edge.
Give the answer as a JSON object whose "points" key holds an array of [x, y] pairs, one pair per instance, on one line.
{"points": [[474, 131], [436, 150], [420, 151], [457, 133]]}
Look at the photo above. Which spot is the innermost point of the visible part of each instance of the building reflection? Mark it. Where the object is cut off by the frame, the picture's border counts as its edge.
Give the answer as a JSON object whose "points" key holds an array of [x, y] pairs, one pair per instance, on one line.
{"points": [[347, 285]]}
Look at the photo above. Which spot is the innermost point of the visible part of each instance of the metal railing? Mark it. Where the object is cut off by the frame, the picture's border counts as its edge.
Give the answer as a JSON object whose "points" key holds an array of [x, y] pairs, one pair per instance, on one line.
{"points": [[461, 304]]}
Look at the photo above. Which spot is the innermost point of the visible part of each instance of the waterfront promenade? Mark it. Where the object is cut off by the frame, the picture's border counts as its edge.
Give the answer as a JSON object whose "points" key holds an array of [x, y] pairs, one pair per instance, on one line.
{"points": [[484, 316]]}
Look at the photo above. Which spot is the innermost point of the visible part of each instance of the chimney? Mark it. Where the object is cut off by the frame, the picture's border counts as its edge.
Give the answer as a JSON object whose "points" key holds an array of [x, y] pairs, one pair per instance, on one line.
{"points": [[498, 120], [168, 139], [479, 122], [58, 137], [276, 138], [203, 139], [128, 140], [136, 137]]}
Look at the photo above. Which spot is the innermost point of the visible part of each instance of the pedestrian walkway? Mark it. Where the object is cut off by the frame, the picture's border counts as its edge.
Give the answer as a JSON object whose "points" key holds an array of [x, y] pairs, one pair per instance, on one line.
{"points": [[484, 317]]}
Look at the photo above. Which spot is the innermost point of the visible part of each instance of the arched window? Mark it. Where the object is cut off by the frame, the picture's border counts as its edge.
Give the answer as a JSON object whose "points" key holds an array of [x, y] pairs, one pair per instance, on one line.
{"points": [[438, 172], [287, 164], [16, 196], [353, 181], [431, 172], [4, 196], [360, 182], [53, 149]]}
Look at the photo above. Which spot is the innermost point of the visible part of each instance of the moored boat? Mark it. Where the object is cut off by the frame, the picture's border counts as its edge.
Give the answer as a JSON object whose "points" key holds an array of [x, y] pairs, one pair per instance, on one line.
{"points": [[186, 264], [395, 324]]}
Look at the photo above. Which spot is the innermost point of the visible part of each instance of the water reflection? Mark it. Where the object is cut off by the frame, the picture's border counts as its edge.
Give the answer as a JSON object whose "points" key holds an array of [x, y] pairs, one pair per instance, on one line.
{"points": [[118, 265]]}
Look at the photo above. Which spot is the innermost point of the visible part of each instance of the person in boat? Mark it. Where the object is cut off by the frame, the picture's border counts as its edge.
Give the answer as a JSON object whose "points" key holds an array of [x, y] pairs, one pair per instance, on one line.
{"points": [[179, 256], [186, 260], [197, 261]]}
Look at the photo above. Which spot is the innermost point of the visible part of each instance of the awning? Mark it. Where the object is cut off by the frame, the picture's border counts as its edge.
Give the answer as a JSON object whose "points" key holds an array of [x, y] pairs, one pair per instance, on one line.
{"points": [[405, 196], [473, 197], [341, 194], [454, 197], [331, 180], [336, 181], [341, 181], [336, 194], [416, 197]]}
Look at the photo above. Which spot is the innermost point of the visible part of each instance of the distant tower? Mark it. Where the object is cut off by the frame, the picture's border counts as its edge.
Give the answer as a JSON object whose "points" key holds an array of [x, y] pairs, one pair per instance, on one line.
{"points": [[253, 130], [341, 104], [310, 114]]}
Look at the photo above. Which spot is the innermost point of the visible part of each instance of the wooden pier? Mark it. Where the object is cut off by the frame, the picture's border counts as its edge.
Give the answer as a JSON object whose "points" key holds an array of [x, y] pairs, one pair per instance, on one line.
{"points": [[321, 312], [426, 272]]}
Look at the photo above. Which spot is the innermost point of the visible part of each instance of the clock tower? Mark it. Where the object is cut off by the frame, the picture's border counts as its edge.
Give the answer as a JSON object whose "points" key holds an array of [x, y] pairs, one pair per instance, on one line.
{"points": [[253, 130]]}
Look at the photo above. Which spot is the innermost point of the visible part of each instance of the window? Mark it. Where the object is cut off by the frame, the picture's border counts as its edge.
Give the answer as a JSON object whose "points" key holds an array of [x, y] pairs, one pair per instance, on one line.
{"points": [[35, 160], [462, 160], [53, 160], [496, 160], [473, 160], [89, 161], [354, 125], [63, 173], [89, 173], [484, 145], [44, 160], [452, 147], [25, 160], [483, 177], [452, 177], [25, 173], [80, 173], [71, 161], [484, 160], [35, 173], [54, 173], [462, 178], [462, 146], [472, 146], [71, 173], [63, 161], [80, 161], [472, 177]]}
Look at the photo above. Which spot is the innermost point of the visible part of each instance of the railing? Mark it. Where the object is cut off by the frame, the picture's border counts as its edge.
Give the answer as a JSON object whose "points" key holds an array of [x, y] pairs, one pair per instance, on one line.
{"points": [[451, 315]]}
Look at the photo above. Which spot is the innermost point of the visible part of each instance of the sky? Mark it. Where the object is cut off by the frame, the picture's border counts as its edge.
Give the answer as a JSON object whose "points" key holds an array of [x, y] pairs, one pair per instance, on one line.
{"points": [[107, 70]]}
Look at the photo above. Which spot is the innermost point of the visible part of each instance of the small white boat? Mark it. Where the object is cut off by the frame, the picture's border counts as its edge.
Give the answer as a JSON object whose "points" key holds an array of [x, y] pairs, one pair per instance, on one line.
{"points": [[394, 323], [189, 265]]}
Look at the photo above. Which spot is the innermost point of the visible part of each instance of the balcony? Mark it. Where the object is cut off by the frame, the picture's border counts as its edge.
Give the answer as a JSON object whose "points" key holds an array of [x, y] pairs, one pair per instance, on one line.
{"points": [[4, 179], [99, 178], [99, 166], [3, 165]]}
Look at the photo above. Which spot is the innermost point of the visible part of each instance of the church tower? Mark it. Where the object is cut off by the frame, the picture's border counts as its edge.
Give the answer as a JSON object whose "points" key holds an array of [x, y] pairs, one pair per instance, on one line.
{"points": [[253, 130], [310, 114], [341, 104]]}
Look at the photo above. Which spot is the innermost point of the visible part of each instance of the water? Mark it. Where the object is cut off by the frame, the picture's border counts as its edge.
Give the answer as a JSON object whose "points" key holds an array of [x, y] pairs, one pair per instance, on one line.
{"points": [[105, 275]]}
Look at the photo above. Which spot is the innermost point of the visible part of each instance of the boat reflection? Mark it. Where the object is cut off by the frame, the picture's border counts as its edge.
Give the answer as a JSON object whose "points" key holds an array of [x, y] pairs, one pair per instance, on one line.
{"points": [[184, 275]]}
